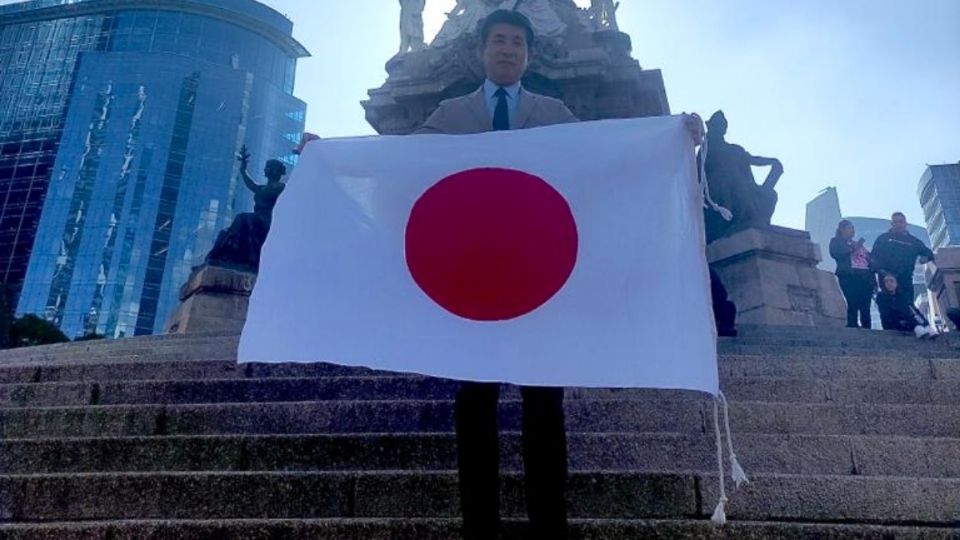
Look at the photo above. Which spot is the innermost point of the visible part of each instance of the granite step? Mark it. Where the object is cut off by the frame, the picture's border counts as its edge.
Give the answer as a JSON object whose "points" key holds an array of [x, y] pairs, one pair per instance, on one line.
{"points": [[223, 346], [783, 334], [916, 349], [401, 387], [226, 350], [838, 367], [643, 452], [765, 330], [583, 415], [448, 529], [603, 495], [868, 343], [792, 365]]}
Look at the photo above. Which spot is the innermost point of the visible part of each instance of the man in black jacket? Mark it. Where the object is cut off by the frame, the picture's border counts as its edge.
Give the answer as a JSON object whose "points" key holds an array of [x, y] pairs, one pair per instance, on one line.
{"points": [[895, 252]]}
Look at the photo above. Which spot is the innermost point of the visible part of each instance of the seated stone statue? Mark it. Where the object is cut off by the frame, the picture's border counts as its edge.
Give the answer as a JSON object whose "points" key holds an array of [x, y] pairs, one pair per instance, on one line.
{"points": [[239, 246], [733, 186]]}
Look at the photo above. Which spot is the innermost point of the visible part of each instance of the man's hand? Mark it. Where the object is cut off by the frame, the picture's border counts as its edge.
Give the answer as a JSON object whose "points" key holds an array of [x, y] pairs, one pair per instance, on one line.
{"points": [[305, 139], [695, 128]]}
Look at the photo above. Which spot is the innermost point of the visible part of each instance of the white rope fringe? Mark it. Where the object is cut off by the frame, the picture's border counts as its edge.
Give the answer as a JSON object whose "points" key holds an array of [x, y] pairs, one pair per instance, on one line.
{"points": [[705, 185], [736, 471], [719, 514]]}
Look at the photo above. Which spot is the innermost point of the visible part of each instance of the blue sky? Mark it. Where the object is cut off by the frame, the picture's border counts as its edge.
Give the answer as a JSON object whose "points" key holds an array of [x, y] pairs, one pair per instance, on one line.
{"points": [[857, 94]]}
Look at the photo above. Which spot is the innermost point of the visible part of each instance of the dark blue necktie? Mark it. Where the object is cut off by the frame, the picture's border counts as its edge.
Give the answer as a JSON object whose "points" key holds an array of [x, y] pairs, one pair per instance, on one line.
{"points": [[501, 116]]}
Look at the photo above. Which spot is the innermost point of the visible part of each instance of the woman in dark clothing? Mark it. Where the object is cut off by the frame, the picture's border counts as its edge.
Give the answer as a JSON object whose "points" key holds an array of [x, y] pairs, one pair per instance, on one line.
{"points": [[897, 312], [853, 272]]}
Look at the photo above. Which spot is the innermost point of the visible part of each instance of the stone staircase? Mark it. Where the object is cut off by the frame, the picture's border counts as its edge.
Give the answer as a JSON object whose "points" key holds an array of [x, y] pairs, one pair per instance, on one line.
{"points": [[844, 434]]}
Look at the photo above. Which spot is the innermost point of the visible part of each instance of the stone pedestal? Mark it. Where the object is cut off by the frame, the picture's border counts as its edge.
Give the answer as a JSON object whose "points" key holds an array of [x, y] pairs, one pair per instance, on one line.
{"points": [[591, 71], [214, 300], [944, 279], [772, 277]]}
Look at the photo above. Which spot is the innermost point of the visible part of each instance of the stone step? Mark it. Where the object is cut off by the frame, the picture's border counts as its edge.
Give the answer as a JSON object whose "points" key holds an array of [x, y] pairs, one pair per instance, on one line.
{"points": [[837, 368], [816, 366], [583, 415], [870, 342], [644, 452], [447, 529], [919, 350], [348, 387], [837, 332], [603, 495], [212, 346], [226, 350]]}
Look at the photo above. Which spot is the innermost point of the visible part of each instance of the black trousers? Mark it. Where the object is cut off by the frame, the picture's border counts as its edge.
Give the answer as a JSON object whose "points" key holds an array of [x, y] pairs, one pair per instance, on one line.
{"points": [[724, 311], [907, 319], [905, 283], [544, 442], [857, 289]]}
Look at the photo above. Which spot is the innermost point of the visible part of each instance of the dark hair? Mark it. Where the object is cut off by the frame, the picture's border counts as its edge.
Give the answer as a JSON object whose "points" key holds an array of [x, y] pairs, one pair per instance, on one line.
{"points": [[506, 16], [278, 163], [843, 224], [901, 214]]}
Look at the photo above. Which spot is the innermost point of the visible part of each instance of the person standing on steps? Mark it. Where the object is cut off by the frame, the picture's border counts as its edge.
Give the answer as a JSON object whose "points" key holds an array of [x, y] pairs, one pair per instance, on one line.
{"points": [[896, 252], [502, 103], [853, 272]]}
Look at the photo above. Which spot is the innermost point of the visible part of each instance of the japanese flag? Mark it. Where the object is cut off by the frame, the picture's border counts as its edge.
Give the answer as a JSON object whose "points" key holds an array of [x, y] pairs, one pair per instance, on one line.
{"points": [[569, 255]]}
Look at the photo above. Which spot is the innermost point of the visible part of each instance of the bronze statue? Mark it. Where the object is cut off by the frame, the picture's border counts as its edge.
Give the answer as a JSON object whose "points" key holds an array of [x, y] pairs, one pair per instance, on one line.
{"points": [[733, 186], [239, 246]]}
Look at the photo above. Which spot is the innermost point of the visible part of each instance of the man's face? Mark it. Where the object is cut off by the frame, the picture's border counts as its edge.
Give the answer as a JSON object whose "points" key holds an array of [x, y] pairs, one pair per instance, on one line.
{"points": [[504, 56], [899, 224]]}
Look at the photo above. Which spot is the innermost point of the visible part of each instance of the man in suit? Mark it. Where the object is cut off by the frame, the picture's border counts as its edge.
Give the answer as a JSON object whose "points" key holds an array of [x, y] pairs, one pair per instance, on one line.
{"points": [[502, 104], [504, 52]]}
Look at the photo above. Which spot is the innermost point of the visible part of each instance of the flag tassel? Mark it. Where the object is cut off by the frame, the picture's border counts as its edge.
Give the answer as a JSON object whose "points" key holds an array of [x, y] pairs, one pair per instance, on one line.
{"points": [[736, 471], [719, 514]]}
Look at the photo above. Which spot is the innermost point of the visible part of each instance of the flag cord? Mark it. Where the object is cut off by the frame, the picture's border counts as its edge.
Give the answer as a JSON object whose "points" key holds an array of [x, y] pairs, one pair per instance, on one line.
{"points": [[719, 514], [705, 184], [736, 471]]}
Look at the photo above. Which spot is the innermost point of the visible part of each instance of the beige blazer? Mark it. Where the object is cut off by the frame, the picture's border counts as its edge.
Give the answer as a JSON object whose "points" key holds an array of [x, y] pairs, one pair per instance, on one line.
{"points": [[469, 114]]}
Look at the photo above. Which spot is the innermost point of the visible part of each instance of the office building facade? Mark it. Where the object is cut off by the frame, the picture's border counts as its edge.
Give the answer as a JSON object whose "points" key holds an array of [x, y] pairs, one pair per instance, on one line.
{"points": [[939, 192], [119, 125]]}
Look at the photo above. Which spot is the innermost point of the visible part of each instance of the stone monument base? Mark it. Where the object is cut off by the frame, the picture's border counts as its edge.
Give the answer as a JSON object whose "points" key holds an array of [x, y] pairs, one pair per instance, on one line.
{"points": [[772, 277], [214, 300]]}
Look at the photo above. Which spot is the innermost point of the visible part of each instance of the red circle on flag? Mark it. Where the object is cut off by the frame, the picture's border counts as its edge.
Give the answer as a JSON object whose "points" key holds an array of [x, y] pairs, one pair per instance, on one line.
{"points": [[491, 244]]}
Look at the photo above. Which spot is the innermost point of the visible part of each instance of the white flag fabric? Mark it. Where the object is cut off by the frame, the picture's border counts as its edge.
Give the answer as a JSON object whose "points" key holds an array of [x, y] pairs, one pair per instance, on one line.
{"points": [[569, 255]]}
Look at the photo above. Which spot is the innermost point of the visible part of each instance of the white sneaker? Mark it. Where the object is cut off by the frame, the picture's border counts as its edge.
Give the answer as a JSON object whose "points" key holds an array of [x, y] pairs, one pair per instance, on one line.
{"points": [[921, 332]]}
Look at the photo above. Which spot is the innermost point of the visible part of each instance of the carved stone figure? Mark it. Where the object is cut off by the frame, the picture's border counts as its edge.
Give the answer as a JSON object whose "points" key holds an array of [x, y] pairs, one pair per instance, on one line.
{"points": [[604, 13], [411, 25], [543, 15], [733, 186], [468, 14], [239, 246]]}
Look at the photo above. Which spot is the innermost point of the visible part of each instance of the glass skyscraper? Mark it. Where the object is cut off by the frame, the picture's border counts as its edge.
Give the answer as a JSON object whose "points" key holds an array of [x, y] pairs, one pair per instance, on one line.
{"points": [[119, 125], [940, 197]]}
